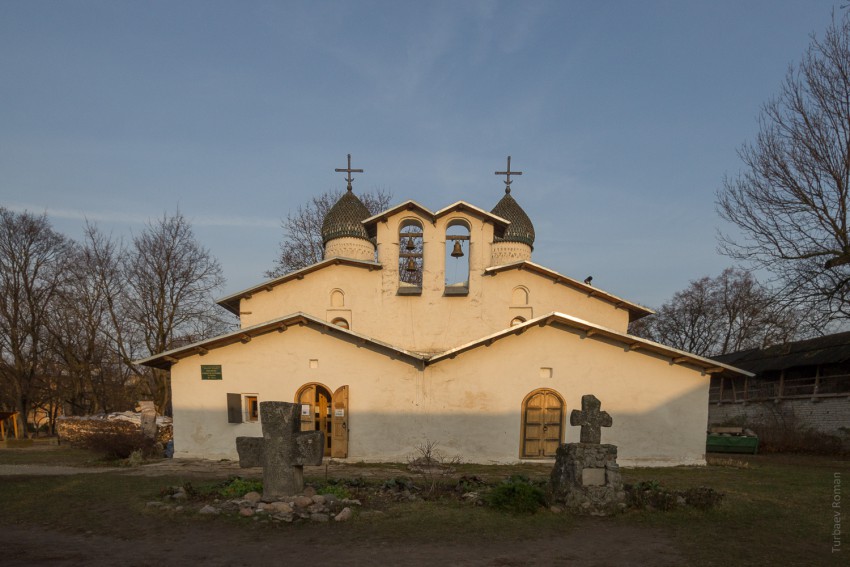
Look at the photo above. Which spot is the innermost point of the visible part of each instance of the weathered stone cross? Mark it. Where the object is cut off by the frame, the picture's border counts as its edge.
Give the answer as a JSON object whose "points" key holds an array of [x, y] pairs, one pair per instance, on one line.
{"points": [[591, 419], [282, 451]]}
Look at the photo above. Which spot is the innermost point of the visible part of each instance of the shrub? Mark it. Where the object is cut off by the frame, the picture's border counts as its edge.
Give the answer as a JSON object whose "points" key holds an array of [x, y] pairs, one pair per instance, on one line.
{"points": [[338, 490], [649, 495], [431, 464], [236, 486], [517, 495], [120, 444]]}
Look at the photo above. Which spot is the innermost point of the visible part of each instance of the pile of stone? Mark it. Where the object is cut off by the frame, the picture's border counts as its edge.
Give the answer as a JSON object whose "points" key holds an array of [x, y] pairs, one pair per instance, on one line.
{"points": [[77, 429], [586, 477], [308, 506], [653, 497]]}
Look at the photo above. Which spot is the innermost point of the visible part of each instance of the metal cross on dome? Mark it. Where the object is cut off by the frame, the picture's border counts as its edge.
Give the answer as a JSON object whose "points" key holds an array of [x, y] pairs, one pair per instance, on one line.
{"points": [[507, 175], [350, 171]]}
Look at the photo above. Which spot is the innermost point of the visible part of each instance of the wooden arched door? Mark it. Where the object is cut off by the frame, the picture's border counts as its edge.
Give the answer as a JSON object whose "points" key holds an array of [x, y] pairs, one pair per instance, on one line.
{"points": [[542, 424], [328, 413]]}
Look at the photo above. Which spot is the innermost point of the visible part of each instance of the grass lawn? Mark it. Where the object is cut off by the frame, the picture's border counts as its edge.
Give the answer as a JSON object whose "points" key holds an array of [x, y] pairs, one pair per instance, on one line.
{"points": [[776, 511]]}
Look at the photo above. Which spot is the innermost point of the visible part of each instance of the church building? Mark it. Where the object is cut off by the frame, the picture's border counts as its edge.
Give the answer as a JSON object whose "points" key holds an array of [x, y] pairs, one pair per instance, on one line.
{"points": [[437, 326]]}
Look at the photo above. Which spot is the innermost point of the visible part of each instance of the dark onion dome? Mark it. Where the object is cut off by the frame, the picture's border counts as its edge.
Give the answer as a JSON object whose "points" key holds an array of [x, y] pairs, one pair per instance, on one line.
{"points": [[520, 229], [345, 219]]}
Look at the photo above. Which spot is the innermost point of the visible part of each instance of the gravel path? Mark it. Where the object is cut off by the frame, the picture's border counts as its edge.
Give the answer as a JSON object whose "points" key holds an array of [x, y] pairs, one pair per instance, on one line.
{"points": [[49, 470]]}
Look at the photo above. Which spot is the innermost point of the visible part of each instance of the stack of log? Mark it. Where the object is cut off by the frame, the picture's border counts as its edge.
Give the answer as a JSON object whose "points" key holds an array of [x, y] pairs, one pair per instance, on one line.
{"points": [[76, 429]]}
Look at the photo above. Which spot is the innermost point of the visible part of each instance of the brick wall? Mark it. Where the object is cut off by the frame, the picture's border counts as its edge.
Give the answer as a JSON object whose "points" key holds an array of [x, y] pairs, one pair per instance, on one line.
{"points": [[825, 414]]}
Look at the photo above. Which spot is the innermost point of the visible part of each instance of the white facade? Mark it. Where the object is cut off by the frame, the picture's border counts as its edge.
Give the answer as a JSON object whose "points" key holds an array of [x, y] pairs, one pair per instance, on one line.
{"points": [[489, 369]]}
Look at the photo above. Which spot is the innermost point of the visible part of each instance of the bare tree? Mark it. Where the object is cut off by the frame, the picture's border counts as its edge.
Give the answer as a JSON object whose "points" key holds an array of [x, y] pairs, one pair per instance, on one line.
{"points": [[302, 230], [158, 294], [169, 281], [33, 262], [790, 202], [83, 340], [714, 316]]}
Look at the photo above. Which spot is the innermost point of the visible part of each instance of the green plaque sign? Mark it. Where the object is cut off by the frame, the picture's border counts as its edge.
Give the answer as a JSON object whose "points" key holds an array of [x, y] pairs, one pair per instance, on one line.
{"points": [[211, 372]]}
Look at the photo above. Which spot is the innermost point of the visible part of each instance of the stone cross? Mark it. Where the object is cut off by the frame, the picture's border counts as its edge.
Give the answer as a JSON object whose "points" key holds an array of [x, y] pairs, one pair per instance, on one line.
{"points": [[590, 419], [282, 451]]}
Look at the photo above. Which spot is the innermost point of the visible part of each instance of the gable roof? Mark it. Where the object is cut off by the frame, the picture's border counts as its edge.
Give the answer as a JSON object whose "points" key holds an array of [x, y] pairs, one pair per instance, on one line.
{"points": [[591, 330], [231, 302], [829, 349], [432, 216], [636, 311], [164, 360]]}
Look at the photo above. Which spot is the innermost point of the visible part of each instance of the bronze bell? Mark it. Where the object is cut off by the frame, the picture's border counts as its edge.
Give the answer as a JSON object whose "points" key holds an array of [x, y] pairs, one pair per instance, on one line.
{"points": [[411, 265], [410, 245], [458, 251]]}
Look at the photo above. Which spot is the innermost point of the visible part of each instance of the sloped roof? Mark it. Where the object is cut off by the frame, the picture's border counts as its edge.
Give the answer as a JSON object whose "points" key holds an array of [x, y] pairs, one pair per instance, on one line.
{"points": [[635, 310], [231, 302], [166, 359], [829, 349], [639, 345], [592, 330], [410, 205]]}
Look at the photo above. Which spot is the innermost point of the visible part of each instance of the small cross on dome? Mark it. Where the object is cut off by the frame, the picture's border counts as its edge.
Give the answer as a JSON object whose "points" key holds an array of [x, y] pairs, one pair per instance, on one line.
{"points": [[350, 171], [507, 175]]}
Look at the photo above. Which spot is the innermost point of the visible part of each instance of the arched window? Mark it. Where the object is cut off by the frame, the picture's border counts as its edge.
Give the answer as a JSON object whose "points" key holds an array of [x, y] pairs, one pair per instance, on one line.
{"points": [[340, 322], [457, 257], [543, 413], [337, 298], [519, 296], [517, 321], [410, 257]]}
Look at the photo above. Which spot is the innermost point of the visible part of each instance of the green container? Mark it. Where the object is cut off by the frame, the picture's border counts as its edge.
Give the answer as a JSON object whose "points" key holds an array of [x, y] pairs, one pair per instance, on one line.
{"points": [[731, 444]]}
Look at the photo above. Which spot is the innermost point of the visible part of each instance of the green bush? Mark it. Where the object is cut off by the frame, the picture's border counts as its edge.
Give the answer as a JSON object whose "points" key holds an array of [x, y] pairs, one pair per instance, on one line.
{"points": [[517, 495], [235, 486], [338, 490]]}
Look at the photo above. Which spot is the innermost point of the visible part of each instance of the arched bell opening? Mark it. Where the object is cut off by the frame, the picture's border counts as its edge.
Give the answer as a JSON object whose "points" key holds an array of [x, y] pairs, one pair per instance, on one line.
{"points": [[411, 260], [457, 257]]}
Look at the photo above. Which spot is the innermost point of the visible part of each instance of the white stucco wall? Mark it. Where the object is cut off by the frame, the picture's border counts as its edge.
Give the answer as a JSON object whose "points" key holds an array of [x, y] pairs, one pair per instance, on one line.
{"points": [[470, 405], [430, 322]]}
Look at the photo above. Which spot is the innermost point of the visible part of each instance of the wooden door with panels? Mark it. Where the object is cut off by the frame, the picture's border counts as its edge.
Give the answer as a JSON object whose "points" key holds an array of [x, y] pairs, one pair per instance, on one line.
{"points": [[328, 413], [542, 424]]}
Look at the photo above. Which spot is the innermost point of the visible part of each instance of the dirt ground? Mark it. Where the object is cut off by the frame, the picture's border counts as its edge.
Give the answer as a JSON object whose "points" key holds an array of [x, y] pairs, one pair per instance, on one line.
{"points": [[592, 543]]}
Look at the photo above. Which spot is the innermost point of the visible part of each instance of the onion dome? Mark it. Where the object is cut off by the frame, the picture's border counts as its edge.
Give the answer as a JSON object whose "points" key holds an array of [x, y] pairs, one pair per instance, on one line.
{"points": [[345, 219], [520, 229]]}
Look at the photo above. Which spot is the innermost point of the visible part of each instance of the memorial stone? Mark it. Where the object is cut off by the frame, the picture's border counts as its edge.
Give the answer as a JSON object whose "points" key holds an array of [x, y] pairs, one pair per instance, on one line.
{"points": [[586, 477], [282, 451]]}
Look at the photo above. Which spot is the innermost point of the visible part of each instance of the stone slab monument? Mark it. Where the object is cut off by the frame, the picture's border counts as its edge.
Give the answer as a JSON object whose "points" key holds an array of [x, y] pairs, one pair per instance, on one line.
{"points": [[282, 451], [586, 477], [148, 419]]}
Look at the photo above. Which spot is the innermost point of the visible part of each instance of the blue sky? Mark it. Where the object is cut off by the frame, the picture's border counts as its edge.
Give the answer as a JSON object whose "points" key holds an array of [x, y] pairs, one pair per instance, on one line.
{"points": [[623, 116]]}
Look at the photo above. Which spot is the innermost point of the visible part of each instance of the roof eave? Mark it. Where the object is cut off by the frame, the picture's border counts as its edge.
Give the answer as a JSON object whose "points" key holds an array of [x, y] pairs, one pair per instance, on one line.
{"points": [[408, 205], [634, 309], [231, 302], [165, 359], [676, 356]]}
